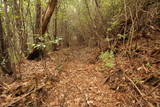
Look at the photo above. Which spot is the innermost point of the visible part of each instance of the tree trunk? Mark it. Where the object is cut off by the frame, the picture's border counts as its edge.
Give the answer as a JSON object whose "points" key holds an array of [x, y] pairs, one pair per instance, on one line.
{"points": [[66, 35], [38, 20], [55, 31], [19, 24], [47, 16], [5, 62], [36, 53]]}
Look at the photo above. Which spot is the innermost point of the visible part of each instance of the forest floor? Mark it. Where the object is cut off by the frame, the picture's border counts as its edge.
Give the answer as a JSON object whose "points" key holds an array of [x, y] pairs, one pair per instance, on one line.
{"points": [[67, 78], [74, 77]]}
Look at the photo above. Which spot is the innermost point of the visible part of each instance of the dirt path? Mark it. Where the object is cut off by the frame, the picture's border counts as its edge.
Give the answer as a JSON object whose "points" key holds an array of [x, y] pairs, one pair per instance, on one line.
{"points": [[81, 86]]}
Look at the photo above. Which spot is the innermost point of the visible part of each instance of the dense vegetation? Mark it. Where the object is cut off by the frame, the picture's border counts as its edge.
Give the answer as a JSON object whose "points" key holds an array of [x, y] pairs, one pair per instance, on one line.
{"points": [[125, 33]]}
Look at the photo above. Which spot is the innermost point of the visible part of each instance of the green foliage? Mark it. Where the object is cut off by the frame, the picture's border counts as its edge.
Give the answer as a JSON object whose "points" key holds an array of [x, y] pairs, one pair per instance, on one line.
{"points": [[108, 39], [40, 45], [108, 58], [109, 29], [147, 64], [56, 41], [58, 68], [1, 12], [113, 24], [44, 41], [120, 36], [136, 80], [3, 62]]}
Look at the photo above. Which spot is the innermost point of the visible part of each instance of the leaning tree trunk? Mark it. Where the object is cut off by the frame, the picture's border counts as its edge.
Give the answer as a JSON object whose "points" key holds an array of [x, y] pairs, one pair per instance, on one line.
{"points": [[36, 53], [5, 62], [47, 16]]}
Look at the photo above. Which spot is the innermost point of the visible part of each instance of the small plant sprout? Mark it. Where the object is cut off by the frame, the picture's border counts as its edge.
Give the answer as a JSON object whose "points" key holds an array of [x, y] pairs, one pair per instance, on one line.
{"points": [[108, 58]]}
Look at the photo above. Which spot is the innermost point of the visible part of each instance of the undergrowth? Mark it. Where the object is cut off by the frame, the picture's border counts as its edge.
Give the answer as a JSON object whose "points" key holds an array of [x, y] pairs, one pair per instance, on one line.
{"points": [[108, 58]]}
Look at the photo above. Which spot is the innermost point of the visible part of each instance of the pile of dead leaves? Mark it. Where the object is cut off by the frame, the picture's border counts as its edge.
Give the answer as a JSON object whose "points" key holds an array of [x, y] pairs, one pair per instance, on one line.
{"points": [[29, 90]]}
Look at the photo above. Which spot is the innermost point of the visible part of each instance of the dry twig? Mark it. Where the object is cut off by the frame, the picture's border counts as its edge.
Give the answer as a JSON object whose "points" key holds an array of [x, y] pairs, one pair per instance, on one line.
{"points": [[25, 95], [134, 86]]}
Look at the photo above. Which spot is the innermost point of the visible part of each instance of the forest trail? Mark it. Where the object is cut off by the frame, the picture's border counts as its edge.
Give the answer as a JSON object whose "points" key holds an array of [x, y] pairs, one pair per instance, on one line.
{"points": [[78, 82], [81, 86]]}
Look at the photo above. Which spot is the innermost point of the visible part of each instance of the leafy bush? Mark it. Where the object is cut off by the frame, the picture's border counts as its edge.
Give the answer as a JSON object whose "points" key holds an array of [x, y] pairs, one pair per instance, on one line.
{"points": [[44, 41], [107, 58]]}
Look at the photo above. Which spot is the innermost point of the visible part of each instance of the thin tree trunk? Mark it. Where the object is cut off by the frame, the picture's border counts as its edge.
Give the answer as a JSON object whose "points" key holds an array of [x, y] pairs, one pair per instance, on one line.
{"points": [[5, 62], [55, 31], [19, 24], [31, 24], [65, 28], [38, 20], [24, 33]]}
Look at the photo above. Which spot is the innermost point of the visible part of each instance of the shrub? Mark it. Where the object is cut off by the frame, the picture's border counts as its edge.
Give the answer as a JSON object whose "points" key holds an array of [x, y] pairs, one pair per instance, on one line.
{"points": [[108, 58]]}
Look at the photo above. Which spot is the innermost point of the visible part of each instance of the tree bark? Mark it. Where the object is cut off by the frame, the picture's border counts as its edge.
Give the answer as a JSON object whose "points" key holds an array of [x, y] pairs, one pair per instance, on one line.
{"points": [[38, 20], [5, 62], [47, 16], [19, 24], [55, 31], [10, 65], [36, 53]]}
